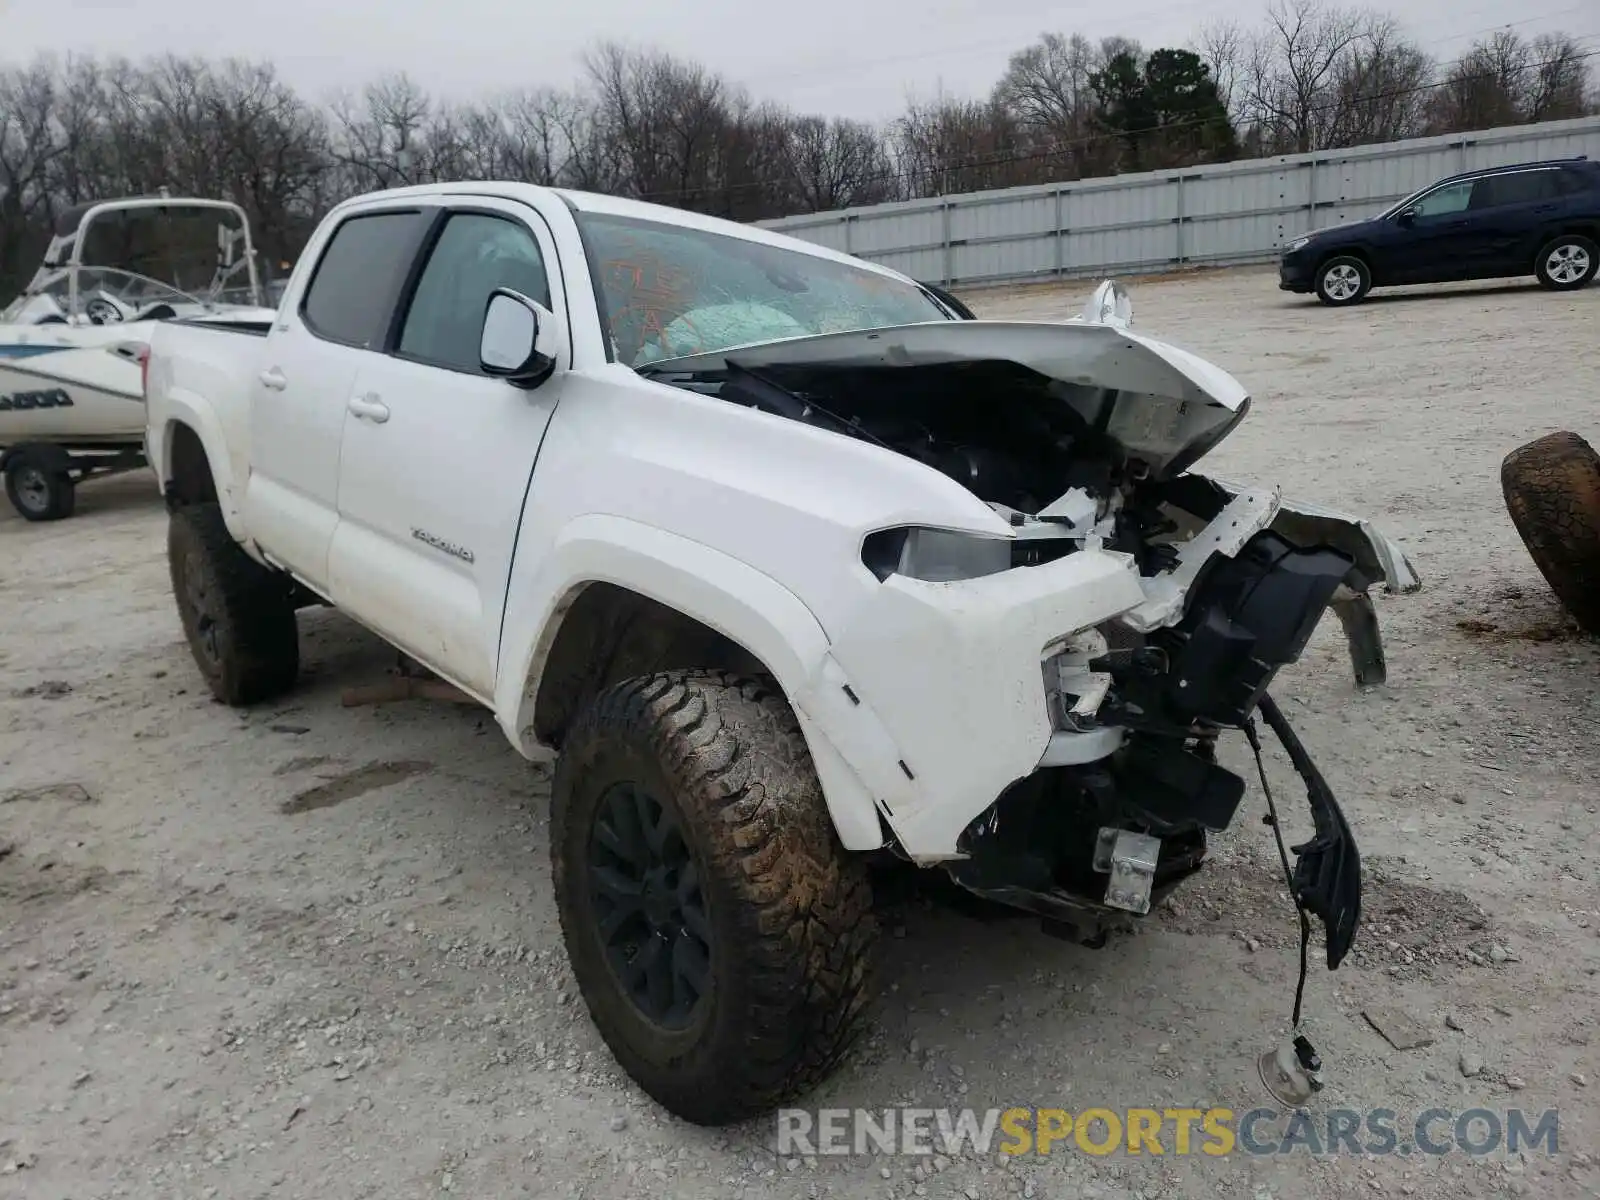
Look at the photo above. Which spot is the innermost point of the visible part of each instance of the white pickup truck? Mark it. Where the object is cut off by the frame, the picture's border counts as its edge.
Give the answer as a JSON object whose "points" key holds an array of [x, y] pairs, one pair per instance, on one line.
{"points": [[786, 562]]}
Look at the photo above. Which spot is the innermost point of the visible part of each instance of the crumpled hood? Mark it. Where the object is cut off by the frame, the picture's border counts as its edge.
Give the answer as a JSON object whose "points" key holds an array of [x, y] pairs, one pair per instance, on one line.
{"points": [[1157, 402]]}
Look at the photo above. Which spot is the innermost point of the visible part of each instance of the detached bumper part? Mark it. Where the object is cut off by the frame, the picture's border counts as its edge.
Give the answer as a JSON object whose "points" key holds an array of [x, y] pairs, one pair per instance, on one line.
{"points": [[1130, 859], [1327, 869]]}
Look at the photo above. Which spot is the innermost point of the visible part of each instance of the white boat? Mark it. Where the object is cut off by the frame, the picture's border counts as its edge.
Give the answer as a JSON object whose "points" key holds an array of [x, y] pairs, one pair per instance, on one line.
{"points": [[72, 344]]}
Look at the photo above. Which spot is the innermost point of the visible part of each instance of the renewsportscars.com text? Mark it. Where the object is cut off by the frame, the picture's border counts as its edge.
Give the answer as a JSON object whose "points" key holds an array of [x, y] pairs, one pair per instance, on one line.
{"points": [[1214, 1132]]}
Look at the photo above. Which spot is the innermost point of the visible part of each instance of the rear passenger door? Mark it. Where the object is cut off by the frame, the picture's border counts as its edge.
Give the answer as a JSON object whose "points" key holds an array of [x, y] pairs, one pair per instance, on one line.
{"points": [[309, 366], [1513, 210], [437, 455]]}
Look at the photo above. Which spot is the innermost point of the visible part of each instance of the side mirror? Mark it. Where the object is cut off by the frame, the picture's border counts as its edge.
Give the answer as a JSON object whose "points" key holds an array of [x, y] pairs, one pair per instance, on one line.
{"points": [[1109, 305], [521, 340], [1407, 217]]}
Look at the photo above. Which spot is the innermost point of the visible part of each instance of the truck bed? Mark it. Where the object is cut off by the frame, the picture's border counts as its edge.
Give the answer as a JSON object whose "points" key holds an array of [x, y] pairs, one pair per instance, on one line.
{"points": [[253, 327], [188, 366]]}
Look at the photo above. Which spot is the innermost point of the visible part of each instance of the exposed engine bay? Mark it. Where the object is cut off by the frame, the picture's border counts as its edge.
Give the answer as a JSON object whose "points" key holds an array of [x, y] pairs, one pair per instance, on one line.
{"points": [[1080, 436]]}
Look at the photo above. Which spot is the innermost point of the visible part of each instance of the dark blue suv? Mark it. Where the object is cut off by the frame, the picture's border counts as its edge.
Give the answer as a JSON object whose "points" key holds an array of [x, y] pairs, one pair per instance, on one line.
{"points": [[1540, 219]]}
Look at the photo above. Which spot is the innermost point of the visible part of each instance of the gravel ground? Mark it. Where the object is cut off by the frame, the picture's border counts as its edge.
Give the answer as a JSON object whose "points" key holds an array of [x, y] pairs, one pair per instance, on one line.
{"points": [[215, 984]]}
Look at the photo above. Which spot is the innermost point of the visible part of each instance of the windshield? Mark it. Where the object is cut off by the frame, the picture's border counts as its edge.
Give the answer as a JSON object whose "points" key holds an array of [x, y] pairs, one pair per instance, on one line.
{"points": [[105, 296], [140, 257], [1406, 203], [193, 248], [670, 291]]}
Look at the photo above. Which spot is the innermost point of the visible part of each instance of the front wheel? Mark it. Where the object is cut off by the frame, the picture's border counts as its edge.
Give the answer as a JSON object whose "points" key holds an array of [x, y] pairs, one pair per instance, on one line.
{"points": [[1343, 280], [39, 491], [1567, 263], [721, 936]]}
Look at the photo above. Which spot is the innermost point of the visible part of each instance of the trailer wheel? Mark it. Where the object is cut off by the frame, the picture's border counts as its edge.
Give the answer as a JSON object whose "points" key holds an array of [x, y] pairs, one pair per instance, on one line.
{"points": [[38, 489], [721, 936], [237, 615], [1552, 491]]}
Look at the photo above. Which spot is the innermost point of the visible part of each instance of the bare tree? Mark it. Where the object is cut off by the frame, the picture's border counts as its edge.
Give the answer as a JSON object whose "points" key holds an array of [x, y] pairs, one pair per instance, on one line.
{"points": [[946, 146], [834, 164], [1505, 80], [1224, 47], [1046, 87], [30, 144], [1554, 85], [665, 119], [1048, 95], [271, 151], [1292, 69], [517, 136], [1480, 90], [1379, 89], [381, 138]]}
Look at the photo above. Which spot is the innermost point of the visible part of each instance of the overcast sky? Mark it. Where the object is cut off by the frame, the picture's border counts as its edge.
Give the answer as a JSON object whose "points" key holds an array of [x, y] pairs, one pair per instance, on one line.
{"points": [[858, 58]]}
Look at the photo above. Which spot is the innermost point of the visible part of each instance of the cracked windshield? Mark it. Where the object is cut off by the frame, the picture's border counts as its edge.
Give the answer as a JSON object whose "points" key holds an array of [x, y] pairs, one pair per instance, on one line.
{"points": [[671, 291]]}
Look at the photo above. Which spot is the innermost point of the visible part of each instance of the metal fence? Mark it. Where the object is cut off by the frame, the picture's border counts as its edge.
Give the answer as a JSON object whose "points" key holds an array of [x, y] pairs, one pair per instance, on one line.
{"points": [[1228, 214]]}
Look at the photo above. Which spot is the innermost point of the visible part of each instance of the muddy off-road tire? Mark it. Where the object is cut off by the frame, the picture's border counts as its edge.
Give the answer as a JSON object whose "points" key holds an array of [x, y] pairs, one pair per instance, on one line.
{"points": [[1552, 490], [237, 615], [694, 857]]}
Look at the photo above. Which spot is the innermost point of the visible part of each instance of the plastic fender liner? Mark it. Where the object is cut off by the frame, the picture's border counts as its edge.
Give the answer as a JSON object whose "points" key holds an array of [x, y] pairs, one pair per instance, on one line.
{"points": [[1379, 556], [1327, 869]]}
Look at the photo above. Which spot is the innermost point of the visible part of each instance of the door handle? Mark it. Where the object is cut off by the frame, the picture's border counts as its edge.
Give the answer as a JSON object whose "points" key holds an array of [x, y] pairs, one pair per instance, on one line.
{"points": [[274, 379], [369, 408]]}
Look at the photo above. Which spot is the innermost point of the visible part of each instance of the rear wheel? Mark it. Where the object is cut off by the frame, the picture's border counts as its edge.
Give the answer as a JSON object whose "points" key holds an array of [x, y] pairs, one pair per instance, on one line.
{"points": [[1552, 491], [1343, 280], [39, 490], [237, 615], [721, 936], [1567, 262]]}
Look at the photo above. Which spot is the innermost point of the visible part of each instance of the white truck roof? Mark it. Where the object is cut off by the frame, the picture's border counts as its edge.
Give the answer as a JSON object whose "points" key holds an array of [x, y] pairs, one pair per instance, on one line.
{"points": [[595, 202]]}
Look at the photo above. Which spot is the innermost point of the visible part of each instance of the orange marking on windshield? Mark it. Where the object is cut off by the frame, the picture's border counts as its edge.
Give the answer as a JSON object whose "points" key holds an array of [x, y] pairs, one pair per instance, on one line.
{"points": [[652, 293]]}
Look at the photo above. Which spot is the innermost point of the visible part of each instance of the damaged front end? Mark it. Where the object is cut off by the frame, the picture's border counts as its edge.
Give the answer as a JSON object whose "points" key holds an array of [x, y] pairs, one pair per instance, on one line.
{"points": [[1087, 839], [1236, 581], [1151, 606]]}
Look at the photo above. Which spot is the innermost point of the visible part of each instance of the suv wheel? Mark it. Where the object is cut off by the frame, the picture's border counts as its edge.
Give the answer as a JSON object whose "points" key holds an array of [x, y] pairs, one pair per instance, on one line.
{"points": [[1342, 280], [721, 936], [237, 615], [1567, 262]]}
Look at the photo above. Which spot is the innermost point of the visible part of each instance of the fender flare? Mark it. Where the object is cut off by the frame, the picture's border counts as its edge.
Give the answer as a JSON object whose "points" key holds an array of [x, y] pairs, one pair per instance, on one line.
{"points": [[180, 409], [743, 604]]}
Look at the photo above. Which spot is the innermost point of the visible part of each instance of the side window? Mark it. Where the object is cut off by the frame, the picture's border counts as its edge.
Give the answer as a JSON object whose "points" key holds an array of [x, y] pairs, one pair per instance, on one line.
{"points": [[1572, 182], [1446, 200], [1520, 187], [475, 254], [353, 291]]}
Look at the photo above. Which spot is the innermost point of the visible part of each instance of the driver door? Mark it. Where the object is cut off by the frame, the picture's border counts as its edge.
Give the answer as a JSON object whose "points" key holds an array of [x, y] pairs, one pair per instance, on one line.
{"points": [[1440, 243], [436, 456]]}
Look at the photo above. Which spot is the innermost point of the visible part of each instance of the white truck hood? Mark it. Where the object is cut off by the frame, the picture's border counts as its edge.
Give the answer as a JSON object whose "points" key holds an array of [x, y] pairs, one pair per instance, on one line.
{"points": [[1160, 404]]}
